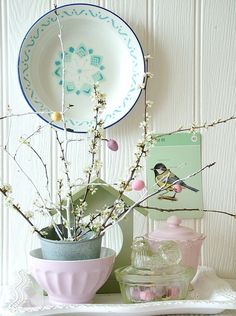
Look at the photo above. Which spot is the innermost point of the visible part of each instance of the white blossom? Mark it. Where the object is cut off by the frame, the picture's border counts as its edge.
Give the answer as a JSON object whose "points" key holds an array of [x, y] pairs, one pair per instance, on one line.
{"points": [[9, 201], [24, 141], [149, 75], [7, 188], [92, 190], [149, 103], [29, 214], [143, 124], [141, 86], [147, 56]]}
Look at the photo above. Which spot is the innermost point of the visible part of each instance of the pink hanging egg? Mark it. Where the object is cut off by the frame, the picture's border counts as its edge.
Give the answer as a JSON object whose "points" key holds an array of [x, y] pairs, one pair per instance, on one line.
{"points": [[138, 185], [112, 145]]}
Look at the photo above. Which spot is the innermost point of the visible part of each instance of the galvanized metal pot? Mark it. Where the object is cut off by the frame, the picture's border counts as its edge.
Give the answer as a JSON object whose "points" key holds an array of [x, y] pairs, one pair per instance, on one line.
{"points": [[65, 250]]}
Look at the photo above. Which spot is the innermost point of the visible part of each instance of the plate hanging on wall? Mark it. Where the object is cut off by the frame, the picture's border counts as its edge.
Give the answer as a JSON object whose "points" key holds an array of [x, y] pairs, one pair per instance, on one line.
{"points": [[98, 47]]}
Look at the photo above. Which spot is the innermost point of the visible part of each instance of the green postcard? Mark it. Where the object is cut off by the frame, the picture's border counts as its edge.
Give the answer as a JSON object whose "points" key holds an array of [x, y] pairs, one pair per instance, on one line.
{"points": [[175, 157]]}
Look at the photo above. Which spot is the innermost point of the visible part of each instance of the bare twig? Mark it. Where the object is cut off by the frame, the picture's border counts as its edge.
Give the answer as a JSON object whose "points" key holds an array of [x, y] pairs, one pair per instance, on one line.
{"points": [[23, 114], [166, 187], [35, 187], [195, 127], [64, 151], [26, 139], [18, 209], [186, 210], [94, 144], [162, 188], [100, 103], [69, 185], [45, 170], [63, 108], [142, 152], [25, 174]]}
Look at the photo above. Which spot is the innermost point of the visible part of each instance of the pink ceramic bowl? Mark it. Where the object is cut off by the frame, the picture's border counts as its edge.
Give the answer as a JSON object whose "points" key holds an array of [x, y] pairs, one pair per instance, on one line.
{"points": [[71, 282]]}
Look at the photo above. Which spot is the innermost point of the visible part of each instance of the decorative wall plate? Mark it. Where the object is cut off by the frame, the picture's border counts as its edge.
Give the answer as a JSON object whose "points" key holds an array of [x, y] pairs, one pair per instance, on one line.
{"points": [[99, 47]]}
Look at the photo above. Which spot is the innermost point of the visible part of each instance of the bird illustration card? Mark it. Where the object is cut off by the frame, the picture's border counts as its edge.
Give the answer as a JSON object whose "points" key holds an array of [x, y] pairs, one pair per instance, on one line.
{"points": [[170, 164]]}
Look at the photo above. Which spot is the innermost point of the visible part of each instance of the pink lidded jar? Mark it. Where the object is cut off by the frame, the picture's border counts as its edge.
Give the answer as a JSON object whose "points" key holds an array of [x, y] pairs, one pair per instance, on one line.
{"points": [[189, 241]]}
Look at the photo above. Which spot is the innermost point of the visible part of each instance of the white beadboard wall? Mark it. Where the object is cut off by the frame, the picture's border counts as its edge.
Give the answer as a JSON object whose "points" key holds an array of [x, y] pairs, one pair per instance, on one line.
{"points": [[193, 45]]}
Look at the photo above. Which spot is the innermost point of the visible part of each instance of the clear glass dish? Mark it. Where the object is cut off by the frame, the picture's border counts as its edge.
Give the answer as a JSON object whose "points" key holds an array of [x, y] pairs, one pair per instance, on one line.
{"points": [[140, 285]]}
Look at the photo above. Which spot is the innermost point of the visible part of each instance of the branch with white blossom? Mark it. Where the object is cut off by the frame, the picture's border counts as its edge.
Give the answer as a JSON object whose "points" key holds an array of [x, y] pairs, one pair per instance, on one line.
{"points": [[196, 127], [5, 191], [96, 131], [100, 103], [45, 207], [27, 138], [142, 150], [28, 144], [25, 174], [186, 210], [166, 187], [69, 194], [23, 114], [162, 188]]}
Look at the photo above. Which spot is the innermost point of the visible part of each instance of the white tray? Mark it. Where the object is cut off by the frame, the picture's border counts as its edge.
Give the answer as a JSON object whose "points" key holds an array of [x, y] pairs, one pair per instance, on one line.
{"points": [[210, 295]]}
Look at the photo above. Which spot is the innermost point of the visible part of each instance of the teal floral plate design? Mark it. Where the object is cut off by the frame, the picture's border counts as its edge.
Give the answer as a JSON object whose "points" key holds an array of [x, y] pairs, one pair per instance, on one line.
{"points": [[98, 47]]}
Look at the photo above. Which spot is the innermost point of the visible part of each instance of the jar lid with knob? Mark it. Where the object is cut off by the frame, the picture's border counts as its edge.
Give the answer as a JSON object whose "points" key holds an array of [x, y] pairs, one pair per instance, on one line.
{"points": [[173, 230]]}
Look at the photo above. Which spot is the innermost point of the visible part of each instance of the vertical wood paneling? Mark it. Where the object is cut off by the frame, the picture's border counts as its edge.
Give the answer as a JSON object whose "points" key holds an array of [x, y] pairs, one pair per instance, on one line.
{"points": [[172, 46], [197, 58], [3, 128], [218, 101], [20, 239], [1, 154]]}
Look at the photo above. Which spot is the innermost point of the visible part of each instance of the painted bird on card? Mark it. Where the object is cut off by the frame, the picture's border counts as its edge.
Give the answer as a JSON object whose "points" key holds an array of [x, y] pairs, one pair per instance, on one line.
{"points": [[165, 177]]}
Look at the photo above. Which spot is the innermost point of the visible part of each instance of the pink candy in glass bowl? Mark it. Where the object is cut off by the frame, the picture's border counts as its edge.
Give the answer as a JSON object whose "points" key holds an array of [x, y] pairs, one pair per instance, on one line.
{"points": [[71, 282], [189, 241]]}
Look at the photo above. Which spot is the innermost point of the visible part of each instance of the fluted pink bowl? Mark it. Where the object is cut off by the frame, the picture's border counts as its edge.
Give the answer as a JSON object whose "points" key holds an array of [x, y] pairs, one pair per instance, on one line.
{"points": [[71, 282]]}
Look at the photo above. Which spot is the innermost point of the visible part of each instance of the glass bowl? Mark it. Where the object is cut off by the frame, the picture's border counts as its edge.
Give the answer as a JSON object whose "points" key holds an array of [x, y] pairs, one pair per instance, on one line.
{"points": [[140, 285]]}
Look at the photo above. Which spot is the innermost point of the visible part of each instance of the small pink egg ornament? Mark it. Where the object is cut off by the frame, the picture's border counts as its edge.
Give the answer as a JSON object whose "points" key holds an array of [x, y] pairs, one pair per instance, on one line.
{"points": [[177, 188], [138, 185], [112, 145]]}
